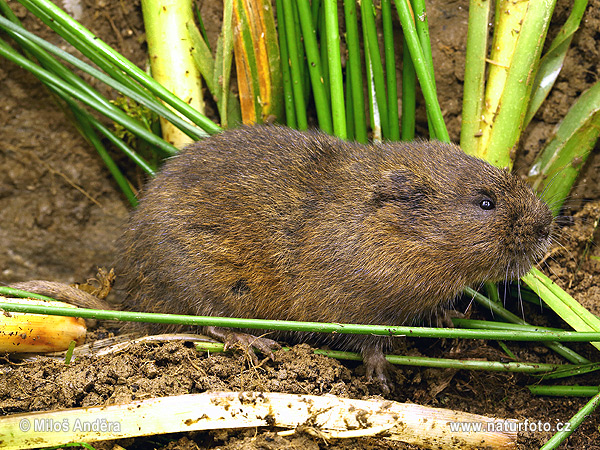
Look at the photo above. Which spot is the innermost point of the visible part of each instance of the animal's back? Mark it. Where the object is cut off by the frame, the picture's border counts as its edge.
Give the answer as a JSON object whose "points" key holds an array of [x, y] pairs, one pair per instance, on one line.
{"points": [[220, 230]]}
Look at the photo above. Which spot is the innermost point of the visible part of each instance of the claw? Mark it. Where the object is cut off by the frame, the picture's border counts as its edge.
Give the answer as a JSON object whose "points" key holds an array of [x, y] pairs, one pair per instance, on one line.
{"points": [[247, 341], [377, 368]]}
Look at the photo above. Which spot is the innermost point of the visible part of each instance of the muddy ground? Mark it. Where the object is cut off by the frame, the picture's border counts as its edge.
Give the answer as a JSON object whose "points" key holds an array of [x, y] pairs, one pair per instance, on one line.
{"points": [[61, 212]]}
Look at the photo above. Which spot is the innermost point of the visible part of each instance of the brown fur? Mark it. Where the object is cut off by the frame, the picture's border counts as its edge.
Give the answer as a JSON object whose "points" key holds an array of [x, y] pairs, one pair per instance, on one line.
{"points": [[272, 223]]}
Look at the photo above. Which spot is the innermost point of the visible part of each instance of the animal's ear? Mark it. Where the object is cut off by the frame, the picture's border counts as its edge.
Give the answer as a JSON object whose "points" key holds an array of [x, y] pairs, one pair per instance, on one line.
{"points": [[401, 186]]}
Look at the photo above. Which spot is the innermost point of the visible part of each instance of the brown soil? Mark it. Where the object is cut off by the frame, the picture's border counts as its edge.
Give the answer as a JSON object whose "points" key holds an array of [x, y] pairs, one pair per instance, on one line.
{"points": [[61, 212]]}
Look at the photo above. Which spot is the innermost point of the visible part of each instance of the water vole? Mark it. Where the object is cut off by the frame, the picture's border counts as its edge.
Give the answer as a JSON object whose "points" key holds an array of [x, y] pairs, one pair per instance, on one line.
{"points": [[272, 223]]}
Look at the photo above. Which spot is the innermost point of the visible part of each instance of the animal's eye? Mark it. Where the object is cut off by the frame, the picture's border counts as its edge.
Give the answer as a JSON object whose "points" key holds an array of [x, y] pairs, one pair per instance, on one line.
{"points": [[486, 204]]}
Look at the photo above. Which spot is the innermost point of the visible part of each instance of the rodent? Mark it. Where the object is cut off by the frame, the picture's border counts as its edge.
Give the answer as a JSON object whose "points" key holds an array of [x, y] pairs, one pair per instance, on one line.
{"points": [[273, 223]]}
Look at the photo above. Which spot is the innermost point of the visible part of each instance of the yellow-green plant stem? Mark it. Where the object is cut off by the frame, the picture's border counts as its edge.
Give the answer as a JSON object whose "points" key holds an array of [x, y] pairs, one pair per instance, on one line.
{"points": [[169, 48], [474, 84], [518, 41]]}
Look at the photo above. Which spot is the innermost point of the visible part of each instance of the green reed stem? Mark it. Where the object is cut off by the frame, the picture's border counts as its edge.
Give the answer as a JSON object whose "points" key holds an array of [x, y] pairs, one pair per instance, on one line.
{"points": [[564, 391], [335, 68], [422, 26], [379, 85], [288, 90], [320, 95], [381, 330], [420, 361], [409, 94], [390, 70], [294, 61], [354, 71], [573, 423], [422, 70], [498, 311]]}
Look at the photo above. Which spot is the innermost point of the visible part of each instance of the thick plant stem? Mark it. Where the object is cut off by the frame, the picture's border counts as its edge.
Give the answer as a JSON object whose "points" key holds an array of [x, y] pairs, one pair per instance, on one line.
{"points": [[518, 41], [173, 66], [477, 39]]}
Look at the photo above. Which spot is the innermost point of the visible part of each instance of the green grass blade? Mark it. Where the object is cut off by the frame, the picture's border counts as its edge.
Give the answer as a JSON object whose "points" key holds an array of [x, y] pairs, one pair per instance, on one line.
{"points": [[474, 84], [119, 144], [34, 44], [84, 122], [336, 83], [556, 168], [422, 26], [110, 111], [217, 77], [321, 32], [201, 26], [205, 63], [108, 161], [562, 303], [350, 120], [498, 311], [374, 115], [62, 21], [551, 63]]}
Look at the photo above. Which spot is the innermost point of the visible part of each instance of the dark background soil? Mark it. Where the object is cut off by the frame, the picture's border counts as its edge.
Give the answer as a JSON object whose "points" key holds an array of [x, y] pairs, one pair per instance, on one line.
{"points": [[61, 212]]}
